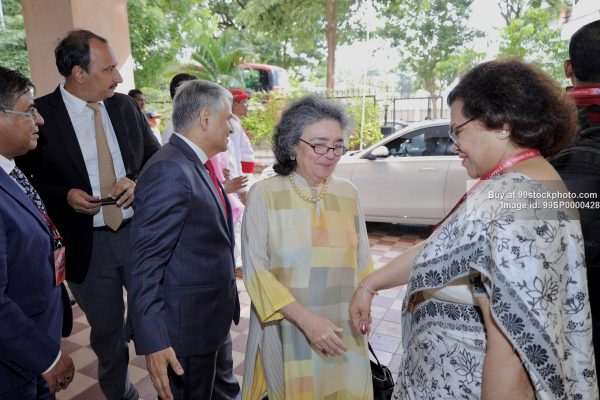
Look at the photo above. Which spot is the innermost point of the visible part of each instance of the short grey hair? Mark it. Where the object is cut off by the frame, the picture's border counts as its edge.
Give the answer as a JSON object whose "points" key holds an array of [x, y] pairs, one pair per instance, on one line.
{"points": [[295, 119], [192, 97]]}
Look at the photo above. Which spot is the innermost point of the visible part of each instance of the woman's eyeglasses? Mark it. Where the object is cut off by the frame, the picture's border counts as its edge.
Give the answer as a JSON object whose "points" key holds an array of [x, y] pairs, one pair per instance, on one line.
{"points": [[453, 132], [322, 149]]}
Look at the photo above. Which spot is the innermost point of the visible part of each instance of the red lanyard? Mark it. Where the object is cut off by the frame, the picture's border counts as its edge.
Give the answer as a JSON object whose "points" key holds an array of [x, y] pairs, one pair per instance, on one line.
{"points": [[498, 169], [53, 230], [60, 271]]}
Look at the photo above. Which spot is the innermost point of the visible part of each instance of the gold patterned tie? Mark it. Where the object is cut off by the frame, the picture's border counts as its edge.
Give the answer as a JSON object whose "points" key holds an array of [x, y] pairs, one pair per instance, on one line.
{"points": [[106, 170]]}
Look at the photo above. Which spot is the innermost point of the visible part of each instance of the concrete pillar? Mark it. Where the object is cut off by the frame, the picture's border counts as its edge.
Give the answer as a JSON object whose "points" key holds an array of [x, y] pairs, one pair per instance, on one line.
{"points": [[47, 21]]}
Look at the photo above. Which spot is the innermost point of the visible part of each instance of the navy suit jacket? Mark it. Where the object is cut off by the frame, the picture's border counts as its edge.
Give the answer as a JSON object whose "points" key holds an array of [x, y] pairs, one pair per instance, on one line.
{"points": [[180, 271], [57, 165], [34, 312]]}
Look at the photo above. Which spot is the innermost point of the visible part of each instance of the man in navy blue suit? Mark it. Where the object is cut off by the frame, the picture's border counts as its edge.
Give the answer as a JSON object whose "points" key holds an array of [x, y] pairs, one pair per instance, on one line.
{"points": [[182, 293], [34, 306]]}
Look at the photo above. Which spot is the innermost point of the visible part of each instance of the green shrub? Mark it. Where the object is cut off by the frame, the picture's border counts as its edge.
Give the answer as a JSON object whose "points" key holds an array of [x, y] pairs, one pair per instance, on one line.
{"points": [[261, 119], [371, 132]]}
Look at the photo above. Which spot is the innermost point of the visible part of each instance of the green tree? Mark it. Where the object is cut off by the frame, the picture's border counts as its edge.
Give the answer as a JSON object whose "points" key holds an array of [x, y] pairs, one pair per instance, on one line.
{"points": [[262, 118], [405, 84], [13, 45], [218, 58], [159, 30], [306, 27], [513, 9], [534, 37], [268, 48], [455, 65], [431, 36]]}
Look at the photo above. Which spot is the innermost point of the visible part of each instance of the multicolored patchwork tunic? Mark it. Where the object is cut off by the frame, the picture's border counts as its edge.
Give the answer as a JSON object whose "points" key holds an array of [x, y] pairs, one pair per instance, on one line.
{"points": [[312, 253], [526, 256]]}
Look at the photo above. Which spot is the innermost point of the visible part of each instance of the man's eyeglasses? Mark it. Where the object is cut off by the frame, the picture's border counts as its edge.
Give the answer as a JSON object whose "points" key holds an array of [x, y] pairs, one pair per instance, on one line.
{"points": [[322, 149], [33, 113], [453, 132]]}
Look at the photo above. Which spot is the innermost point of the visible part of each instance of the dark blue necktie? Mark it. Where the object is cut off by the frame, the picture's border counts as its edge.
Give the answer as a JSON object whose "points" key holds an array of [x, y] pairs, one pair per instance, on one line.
{"points": [[22, 180]]}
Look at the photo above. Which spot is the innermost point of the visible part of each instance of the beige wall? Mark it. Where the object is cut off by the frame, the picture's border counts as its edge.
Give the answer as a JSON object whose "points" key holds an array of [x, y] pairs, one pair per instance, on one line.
{"points": [[47, 21]]}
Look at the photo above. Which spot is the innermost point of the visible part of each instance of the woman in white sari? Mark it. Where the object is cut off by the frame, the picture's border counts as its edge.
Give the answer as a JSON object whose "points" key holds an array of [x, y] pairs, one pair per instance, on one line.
{"points": [[497, 304]]}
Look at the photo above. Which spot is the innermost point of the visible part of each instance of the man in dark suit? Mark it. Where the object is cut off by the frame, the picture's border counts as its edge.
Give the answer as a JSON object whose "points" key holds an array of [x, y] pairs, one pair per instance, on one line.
{"points": [[34, 305], [182, 291], [93, 144]]}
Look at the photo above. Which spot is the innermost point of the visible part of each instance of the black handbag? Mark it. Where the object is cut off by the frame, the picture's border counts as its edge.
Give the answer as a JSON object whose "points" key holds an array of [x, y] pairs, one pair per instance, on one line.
{"points": [[383, 381]]}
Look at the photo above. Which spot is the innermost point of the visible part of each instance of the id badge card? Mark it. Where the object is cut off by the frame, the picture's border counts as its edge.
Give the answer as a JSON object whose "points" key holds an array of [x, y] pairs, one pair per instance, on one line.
{"points": [[60, 270]]}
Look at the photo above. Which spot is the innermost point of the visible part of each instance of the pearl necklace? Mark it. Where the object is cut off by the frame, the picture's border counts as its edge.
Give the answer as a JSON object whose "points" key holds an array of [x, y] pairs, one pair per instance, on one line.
{"points": [[306, 198]]}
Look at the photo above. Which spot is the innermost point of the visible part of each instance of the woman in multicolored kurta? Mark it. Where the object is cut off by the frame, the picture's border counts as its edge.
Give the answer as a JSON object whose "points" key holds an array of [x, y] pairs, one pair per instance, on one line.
{"points": [[497, 303], [304, 247]]}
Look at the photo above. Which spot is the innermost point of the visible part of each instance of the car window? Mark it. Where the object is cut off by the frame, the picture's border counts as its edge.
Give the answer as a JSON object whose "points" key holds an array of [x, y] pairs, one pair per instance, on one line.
{"points": [[256, 79], [430, 141], [264, 79]]}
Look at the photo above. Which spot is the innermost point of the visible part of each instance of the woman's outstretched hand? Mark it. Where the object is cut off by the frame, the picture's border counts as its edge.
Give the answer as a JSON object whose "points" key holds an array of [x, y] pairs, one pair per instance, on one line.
{"points": [[360, 310]]}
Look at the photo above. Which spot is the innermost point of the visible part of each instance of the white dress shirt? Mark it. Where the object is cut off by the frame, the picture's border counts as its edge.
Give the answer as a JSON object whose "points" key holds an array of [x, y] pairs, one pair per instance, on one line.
{"points": [[82, 118], [199, 152], [241, 144], [241, 149], [7, 165]]}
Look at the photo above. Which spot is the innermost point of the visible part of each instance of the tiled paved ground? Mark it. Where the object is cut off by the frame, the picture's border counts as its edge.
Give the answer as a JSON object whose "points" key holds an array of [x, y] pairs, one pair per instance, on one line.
{"points": [[387, 241]]}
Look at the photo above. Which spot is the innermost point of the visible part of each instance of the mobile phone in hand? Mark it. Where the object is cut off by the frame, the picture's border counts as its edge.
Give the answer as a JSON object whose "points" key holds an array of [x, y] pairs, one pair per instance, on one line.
{"points": [[105, 201]]}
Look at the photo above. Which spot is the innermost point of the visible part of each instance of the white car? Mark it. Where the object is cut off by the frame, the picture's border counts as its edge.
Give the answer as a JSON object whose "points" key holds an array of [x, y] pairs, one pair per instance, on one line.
{"points": [[410, 177]]}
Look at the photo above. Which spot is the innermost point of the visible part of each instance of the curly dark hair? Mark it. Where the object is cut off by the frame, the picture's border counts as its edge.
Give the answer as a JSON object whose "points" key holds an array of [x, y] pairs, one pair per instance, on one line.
{"points": [[300, 114], [74, 49], [539, 112]]}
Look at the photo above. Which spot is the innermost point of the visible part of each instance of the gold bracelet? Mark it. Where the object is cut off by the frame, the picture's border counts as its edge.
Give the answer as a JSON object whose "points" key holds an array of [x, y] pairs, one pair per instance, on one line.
{"points": [[368, 289]]}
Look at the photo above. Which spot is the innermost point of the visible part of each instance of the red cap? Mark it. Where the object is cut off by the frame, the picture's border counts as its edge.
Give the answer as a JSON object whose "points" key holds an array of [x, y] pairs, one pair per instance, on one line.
{"points": [[239, 95]]}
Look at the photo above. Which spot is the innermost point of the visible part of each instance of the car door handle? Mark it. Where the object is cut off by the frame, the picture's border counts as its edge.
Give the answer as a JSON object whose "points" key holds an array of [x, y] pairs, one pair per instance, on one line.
{"points": [[429, 169]]}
